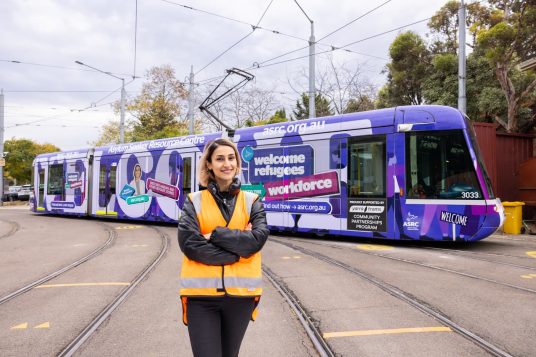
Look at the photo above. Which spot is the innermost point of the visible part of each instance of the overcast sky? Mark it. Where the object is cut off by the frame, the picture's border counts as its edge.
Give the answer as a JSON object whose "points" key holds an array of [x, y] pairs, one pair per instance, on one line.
{"points": [[48, 98]]}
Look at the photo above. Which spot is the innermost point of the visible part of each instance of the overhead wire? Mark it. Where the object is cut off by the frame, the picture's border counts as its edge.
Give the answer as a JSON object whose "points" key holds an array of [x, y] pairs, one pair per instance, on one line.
{"points": [[262, 65], [257, 64], [354, 20], [57, 67], [254, 27]]}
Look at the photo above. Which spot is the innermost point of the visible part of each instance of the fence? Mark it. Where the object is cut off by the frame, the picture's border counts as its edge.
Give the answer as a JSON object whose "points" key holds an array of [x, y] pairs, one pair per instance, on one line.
{"points": [[502, 153]]}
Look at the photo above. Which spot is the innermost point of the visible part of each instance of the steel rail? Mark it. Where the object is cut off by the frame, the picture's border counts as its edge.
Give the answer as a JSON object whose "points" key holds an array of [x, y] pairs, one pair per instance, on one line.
{"points": [[86, 333], [402, 295], [314, 334], [14, 228], [467, 275], [111, 237]]}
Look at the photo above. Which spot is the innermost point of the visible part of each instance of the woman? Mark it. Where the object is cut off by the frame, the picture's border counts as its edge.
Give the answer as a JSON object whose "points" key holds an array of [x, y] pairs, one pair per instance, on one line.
{"points": [[221, 232], [138, 184]]}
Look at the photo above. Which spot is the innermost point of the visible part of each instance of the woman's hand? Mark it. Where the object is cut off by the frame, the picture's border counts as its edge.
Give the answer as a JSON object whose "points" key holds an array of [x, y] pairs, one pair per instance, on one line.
{"points": [[248, 227], [207, 235]]}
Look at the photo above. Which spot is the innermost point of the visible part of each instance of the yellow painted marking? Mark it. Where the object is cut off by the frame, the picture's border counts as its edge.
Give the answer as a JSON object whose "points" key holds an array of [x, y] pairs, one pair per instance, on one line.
{"points": [[104, 213], [40, 208], [286, 257], [20, 327], [43, 325], [373, 247], [296, 257], [139, 245], [532, 253], [526, 276], [80, 284], [128, 227], [388, 331]]}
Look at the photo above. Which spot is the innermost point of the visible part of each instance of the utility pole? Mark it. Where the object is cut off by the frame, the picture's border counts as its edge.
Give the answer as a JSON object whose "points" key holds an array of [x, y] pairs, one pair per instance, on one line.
{"points": [[312, 94], [191, 102], [2, 162], [462, 99], [122, 120]]}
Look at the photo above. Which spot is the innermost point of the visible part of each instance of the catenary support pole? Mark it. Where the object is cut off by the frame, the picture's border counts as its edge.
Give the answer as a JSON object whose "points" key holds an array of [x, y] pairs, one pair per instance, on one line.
{"points": [[1, 146], [462, 99], [122, 120], [312, 94], [191, 102]]}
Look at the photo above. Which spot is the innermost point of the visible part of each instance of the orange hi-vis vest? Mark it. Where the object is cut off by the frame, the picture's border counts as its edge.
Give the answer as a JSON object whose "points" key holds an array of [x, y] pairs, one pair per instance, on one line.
{"points": [[243, 278]]}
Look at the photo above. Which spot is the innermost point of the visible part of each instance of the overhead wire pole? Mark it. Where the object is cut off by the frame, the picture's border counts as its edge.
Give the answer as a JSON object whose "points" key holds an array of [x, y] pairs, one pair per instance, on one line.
{"points": [[123, 96], [312, 94], [191, 102], [462, 99], [2, 162]]}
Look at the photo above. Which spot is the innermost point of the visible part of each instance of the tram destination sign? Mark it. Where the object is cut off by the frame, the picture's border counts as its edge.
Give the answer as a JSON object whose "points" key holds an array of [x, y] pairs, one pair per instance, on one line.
{"points": [[367, 215]]}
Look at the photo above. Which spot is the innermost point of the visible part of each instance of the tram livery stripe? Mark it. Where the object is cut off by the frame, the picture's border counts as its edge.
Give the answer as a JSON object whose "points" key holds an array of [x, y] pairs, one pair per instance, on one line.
{"points": [[387, 331]]}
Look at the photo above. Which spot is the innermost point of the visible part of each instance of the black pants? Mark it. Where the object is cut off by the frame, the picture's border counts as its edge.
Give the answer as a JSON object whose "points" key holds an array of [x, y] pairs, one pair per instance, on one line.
{"points": [[217, 325]]}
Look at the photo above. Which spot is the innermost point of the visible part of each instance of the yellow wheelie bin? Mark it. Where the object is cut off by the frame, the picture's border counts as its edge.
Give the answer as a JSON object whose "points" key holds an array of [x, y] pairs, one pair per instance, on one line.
{"points": [[513, 212]]}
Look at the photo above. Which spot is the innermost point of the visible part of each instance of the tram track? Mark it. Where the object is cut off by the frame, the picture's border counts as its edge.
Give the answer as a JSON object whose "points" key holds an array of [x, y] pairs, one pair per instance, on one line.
{"points": [[429, 266], [305, 319], [112, 235], [402, 295], [105, 313], [14, 228]]}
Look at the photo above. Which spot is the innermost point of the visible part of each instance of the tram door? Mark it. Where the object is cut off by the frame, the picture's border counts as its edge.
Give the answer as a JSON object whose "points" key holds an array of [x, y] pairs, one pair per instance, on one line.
{"points": [[107, 188], [40, 185], [367, 186]]}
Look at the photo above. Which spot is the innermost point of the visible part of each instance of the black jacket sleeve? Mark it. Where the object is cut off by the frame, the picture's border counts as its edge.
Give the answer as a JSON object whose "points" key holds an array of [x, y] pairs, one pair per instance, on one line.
{"points": [[244, 243], [195, 246]]}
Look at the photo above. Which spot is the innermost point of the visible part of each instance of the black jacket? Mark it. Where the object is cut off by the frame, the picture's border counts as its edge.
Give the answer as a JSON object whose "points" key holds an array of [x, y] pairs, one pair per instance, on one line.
{"points": [[225, 245]]}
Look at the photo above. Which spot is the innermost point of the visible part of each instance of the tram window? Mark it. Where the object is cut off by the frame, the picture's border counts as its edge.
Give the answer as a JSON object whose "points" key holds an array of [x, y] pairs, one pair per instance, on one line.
{"points": [[55, 180], [102, 180], [113, 179], [366, 171], [438, 165], [187, 175]]}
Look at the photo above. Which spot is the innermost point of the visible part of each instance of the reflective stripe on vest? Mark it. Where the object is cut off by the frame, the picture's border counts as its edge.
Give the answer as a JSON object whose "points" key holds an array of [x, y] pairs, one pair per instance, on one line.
{"points": [[243, 278]]}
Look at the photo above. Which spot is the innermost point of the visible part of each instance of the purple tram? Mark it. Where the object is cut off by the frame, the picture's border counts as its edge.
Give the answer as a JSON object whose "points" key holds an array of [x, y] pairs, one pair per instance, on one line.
{"points": [[412, 173]]}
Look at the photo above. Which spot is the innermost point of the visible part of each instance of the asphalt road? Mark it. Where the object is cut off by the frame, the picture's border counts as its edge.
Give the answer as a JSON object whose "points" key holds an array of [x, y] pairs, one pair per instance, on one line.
{"points": [[488, 288]]}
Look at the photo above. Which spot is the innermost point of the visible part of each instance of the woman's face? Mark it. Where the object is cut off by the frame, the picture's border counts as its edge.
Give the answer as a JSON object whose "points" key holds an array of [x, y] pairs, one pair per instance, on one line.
{"points": [[223, 165], [137, 172]]}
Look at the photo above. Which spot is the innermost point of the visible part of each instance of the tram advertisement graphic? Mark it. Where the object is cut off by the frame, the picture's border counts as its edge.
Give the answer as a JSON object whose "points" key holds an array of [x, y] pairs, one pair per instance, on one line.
{"points": [[276, 163], [62, 204], [367, 215], [163, 188], [325, 183], [298, 206], [126, 192]]}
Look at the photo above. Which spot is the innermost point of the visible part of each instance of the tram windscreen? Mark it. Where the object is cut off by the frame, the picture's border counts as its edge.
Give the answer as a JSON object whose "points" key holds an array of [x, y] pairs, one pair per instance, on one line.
{"points": [[439, 166]]}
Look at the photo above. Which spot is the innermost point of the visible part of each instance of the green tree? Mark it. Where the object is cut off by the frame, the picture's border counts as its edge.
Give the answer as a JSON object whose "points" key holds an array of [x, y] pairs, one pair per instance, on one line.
{"points": [[507, 37], [21, 153], [360, 104], [322, 107], [154, 112], [279, 116], [406, 72], [157, 108]]}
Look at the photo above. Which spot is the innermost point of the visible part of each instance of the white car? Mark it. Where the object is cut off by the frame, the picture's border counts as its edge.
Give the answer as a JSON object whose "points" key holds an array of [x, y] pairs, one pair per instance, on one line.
{"points": [[25, 192]]}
